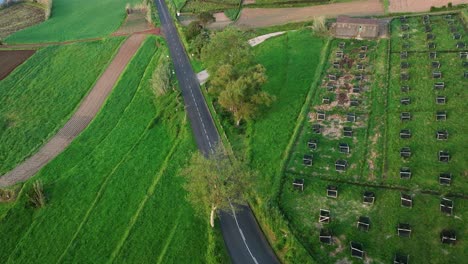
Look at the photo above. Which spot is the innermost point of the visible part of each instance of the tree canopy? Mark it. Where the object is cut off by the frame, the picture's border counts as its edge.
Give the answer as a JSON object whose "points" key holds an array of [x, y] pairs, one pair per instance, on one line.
{"points": [[214, 182], [236, 80]]}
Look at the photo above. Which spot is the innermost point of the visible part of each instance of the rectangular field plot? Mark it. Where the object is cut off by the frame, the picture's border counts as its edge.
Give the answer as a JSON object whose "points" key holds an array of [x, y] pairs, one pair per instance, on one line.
{"points": [[416, 33], [339, 117], [375, 226], [438, 121]]}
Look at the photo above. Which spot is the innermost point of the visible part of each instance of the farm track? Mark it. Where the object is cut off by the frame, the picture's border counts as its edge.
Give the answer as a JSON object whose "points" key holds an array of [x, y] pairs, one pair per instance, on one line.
{"points": [[88, 109], [265, 17]]}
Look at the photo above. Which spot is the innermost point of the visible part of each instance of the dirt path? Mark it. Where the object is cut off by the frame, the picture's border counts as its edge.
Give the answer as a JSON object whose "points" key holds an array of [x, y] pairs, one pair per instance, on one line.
{"points": [[81, 118], [403, 6], [265, 17]]}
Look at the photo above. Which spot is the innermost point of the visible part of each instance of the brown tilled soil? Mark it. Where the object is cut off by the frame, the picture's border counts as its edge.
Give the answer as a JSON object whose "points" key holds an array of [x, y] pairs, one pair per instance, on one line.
{"points": [[17, 17], [265, 17], [10, 59], [404, 6], [136, 23], [81, 118]]}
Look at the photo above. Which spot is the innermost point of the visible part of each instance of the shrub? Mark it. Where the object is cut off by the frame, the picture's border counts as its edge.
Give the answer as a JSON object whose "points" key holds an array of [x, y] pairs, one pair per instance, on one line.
{"points": [[36, 195], [47, 5], [161, 79], [7, 195], [319, 26]]}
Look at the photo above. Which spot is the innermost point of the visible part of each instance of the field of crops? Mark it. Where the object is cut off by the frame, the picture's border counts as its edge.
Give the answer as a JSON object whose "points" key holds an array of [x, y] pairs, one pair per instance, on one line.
{"points": [[19, 16], [76, 19], [111, 193], [59, 74], [398, 141]]}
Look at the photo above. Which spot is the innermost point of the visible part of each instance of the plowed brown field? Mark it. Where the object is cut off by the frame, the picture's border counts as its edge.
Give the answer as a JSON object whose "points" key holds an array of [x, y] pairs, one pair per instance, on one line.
{"points": [[10, 59]]}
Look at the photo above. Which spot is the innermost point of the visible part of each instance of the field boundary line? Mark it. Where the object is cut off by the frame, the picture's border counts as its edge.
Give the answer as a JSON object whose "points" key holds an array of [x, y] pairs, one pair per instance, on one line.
{"points": [[149, 193], [387, 98], [103, 187], [365, 166], [323, 177], [169, 239]]}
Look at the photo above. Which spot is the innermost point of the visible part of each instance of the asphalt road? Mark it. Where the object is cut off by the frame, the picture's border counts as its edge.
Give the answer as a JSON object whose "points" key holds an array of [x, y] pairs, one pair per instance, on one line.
{"points": [[242, 235]]}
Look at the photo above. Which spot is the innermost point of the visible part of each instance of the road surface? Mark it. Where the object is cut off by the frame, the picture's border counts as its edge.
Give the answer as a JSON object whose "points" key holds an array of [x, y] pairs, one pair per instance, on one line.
{"points": [[80, 119], [242, 235]]}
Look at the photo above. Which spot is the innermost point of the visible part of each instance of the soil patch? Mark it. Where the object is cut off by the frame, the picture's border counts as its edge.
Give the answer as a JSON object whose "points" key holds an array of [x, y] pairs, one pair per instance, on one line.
{"points": [[404, 6], [265, 17], [10, 59], [17, 17], [136, 23]]}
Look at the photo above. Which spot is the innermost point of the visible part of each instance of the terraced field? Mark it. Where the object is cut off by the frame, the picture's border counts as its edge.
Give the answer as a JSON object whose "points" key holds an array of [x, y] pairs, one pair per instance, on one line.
{"points": [[110, 195]]}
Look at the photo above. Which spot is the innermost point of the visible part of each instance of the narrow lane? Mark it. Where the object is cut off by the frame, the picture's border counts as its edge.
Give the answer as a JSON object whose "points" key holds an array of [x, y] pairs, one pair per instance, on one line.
{"points": [[242, 235]]}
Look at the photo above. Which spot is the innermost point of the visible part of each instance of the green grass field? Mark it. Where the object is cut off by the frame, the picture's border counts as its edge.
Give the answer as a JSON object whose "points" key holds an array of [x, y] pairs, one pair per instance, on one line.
{"points": [[76, 19], [51, 84], [111, 194]]}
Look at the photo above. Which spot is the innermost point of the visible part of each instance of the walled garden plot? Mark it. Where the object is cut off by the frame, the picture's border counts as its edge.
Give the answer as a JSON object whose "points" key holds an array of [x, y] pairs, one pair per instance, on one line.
{"points": [[383, 172], [334, 139], [427, 110], [396, 224], [422, 33]]}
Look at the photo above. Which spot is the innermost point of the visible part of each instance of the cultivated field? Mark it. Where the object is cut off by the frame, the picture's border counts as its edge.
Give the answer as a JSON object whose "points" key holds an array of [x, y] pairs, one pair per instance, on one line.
{"points": [[19, 16], [110, 194], [12, 59], [62, 77], [382, 139], [76, 19]]}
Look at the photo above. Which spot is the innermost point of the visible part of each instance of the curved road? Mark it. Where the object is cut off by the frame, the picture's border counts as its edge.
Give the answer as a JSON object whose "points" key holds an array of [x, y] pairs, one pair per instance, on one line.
{"points": [[242, 235]]}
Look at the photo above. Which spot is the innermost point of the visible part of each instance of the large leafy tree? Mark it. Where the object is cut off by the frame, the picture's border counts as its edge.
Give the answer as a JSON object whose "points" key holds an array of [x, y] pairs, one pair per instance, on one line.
{"points": [[215, 183], [236, 81]]}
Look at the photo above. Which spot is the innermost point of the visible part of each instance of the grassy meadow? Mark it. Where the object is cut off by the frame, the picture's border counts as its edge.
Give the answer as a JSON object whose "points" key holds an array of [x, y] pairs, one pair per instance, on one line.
{"points": [[76, 19], [51, 84], [111, 193]]}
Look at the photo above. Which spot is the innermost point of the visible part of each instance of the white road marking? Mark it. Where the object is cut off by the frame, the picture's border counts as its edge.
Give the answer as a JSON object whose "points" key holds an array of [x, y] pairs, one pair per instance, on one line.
{"points": [[242, 234]]}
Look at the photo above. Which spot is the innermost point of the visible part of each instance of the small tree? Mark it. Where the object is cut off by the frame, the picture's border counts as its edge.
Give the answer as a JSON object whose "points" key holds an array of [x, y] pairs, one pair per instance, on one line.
{"points": [[205, 18], [193, 30], [161, 78], [36, 195], [215, 183]]}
